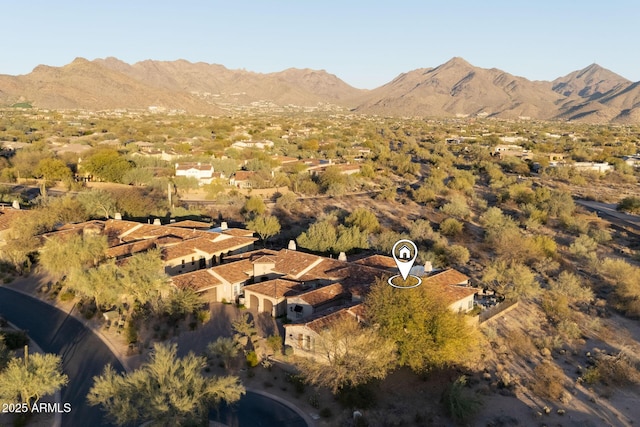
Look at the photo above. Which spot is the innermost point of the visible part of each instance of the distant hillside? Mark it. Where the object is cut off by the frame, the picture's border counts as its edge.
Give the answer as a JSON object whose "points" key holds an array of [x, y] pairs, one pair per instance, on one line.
{"points": [[458, 88], [590, 82], [593, 94]]}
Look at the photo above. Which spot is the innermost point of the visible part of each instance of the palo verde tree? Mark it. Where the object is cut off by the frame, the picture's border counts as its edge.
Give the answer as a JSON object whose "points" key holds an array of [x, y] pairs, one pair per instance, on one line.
{"points": [[26, 381], [350, 355], [426, 332], [166, 390], [265, 225]]}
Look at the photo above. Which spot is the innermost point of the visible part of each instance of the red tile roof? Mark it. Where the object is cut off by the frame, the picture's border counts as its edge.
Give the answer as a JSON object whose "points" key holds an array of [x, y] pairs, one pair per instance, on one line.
{"points": [[446, 277], [277, 288], [198, 281], [234, 272], [324, 294], [378, 261]]}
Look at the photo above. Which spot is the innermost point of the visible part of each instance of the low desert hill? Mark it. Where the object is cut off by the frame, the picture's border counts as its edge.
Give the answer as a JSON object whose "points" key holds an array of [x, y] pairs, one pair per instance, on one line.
{"points": [[455, 88]]}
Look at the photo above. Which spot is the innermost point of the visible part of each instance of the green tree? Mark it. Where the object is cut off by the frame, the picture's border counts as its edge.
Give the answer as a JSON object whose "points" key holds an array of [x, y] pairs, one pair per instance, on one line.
{"points": [[166, 390], [180, 303], [350, 238], [61, 256], [106, 165], [512, 280], [143, 277], [427, 334], [265, 225], [364, 219], [51, 169], [350, 355], [254, 206], [244, 326], [98, 203], [39, 375], [225, 348], [320, 237]]}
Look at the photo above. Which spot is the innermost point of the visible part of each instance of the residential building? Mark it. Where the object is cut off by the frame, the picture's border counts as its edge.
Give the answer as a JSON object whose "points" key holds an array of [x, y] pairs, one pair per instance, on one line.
{"points": [[204, 173]]}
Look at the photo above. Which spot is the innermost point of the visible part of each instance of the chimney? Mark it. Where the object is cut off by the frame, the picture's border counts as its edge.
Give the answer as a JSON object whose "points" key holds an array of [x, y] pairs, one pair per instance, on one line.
{"points": [[342, 256], [292, 245], [117, 215], [224, 225], [428, 267]]}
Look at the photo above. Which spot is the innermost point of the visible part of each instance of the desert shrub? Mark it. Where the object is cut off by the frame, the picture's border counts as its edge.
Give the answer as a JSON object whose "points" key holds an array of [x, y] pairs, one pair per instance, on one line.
{"points": [[583, 246], [520, 343], [67, 296], [297, 381], [275, 343], [630, 205], [362, 396], [591, 376], [451, 227], [457, 207], [252, 359], [131, 333], [14, 340], [457, 255], [571, 286], [548, 381], [459, 402], [617, 370]]}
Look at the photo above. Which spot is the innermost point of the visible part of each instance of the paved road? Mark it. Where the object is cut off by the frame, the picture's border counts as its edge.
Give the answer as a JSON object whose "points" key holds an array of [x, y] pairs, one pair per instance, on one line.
{"points": [[255, 410], [84, 355], [608, 211]]}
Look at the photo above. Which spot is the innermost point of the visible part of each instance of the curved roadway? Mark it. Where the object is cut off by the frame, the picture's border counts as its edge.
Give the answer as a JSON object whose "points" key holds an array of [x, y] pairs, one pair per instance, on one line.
{"points": [[83, 354]]}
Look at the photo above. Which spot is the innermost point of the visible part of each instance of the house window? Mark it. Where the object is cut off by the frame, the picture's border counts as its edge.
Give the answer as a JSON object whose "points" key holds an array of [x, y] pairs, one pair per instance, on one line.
{"points": [[470, 304], [193, 260], [183, 263], [307, 342], [300, 340]]}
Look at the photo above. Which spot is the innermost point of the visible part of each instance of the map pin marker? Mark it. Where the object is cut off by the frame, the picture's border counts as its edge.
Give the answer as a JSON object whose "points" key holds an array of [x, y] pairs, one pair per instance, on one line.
{"points": [[402, 254]]}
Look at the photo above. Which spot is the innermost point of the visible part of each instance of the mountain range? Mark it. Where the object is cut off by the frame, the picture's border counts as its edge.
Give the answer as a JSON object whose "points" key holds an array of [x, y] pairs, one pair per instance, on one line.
{"points": [[455, 88]]}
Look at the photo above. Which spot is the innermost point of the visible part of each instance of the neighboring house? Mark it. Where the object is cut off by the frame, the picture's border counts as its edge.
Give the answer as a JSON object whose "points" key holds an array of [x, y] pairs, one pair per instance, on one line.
{"points": [[303, 337], [242, 179], [204, 283], [601, 167], [270, 296], [202, 172], [454, 287], [306, 304], [261, 145], [632, 160], [203, 251]]}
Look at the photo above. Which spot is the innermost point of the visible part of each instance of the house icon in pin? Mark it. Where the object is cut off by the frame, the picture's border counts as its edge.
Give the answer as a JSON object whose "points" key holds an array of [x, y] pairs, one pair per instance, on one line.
{"points": [[404, 253]]}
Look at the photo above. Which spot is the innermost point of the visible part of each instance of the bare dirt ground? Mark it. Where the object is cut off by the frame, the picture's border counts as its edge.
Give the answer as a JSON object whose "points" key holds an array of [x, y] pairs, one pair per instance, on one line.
{"points": [[518, 344]]}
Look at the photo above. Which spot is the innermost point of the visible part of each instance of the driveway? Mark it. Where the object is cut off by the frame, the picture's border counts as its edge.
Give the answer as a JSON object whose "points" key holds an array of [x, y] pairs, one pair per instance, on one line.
{"points": [[83, 354]]}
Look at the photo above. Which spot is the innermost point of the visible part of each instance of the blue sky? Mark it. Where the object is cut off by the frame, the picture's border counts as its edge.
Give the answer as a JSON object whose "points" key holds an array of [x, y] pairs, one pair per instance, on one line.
{"points": [[366, 44]]}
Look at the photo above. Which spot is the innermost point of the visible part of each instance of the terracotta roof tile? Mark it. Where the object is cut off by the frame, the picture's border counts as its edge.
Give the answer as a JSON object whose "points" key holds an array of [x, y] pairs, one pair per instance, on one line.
{"points": [[130, 248], [324, 294], [378, 261], [244, 175], [277, 288], [198, 281], [234, 272], [446, 277], [188, 223]]}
